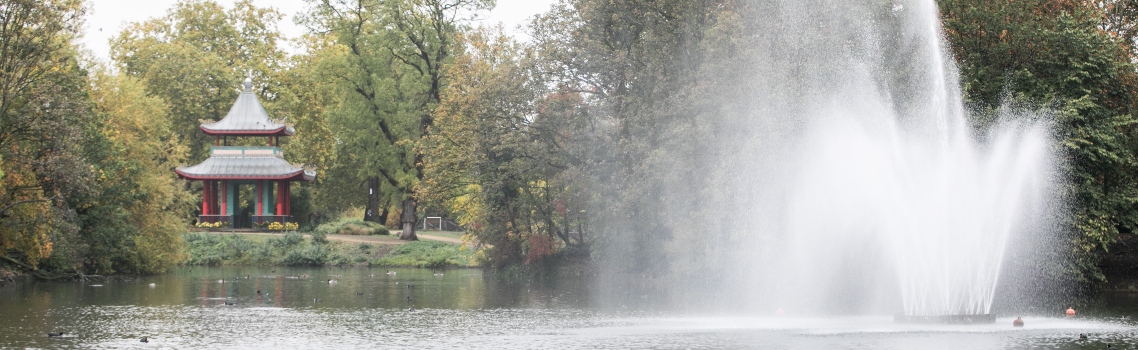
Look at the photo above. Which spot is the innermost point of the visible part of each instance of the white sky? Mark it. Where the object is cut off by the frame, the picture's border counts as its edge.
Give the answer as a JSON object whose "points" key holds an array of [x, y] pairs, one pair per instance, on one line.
{"points": [[109, 17]]}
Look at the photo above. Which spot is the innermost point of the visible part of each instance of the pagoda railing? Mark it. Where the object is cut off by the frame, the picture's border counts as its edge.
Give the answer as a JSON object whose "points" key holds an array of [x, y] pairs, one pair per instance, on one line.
{"points": [[245, 151], [215, 218], [261, 219]]}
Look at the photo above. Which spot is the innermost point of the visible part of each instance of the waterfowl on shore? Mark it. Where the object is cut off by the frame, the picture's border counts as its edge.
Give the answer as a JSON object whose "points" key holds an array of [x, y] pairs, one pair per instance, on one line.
{"points": [[54, 334], [144, 340]]}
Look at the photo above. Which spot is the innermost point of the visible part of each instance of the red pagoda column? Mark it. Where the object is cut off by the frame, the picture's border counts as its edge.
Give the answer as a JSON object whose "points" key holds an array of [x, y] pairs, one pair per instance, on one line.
{"points": [[280, 197]]}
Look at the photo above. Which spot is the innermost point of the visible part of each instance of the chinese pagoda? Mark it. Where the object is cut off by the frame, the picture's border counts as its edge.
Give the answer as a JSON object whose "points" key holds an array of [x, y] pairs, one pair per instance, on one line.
{"points": [[229, 167]]}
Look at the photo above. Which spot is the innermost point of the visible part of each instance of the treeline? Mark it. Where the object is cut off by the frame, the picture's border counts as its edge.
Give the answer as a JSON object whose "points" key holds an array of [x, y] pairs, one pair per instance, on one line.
{"points": [[572, 144]]}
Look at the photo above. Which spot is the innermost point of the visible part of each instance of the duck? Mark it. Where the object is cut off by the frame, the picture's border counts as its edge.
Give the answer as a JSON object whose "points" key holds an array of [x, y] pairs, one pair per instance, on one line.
{"points": [[54, 334], [152, 285], [258, 292], [390, 273], [1082, 336], [144, 340], [359, 293], [438, 274], [315, 300], [230, 303], [332, 281], [1018, 322]]}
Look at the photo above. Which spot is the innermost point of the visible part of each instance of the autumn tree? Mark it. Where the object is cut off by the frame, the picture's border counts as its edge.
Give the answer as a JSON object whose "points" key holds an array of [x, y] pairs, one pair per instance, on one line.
{"points": [[43, 107]]}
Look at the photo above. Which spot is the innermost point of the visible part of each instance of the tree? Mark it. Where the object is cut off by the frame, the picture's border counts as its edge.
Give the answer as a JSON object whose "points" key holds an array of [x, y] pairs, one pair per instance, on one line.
{"points": [[391, 80], [42, 106], [195, 57], [501, 154], [134, 222]]}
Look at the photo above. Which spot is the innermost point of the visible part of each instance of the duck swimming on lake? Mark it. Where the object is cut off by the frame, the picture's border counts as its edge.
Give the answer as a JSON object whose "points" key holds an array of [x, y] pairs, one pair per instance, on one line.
{"points": [[144, 340], [391, 273], [54, 334], [332, 281]]}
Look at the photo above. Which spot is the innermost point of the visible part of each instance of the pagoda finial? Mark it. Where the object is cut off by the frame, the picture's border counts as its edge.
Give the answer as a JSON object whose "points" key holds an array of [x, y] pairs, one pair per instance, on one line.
{"points": [[248, 84]]}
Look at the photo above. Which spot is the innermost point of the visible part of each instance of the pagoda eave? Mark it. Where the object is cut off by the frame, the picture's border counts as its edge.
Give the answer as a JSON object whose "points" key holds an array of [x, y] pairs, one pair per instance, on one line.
{"points": [[282, 131], [298, 176]]}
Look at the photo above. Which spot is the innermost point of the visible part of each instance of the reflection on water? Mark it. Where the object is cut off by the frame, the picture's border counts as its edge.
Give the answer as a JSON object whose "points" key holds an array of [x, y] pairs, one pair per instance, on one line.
{"points": [[367, 308]]}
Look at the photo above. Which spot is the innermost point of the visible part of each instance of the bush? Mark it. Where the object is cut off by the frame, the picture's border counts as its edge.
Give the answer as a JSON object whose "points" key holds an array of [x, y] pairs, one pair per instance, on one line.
{"points": [[352, 227], [315, 255], [319, 237], [288, 240], [428, 254]]}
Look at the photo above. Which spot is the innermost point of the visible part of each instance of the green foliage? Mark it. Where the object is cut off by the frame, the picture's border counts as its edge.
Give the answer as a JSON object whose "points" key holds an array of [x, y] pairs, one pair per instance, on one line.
{"points": [[314, 255], [427, 254], [351, 226], [195, 57], [319, 238], [44, 115]]}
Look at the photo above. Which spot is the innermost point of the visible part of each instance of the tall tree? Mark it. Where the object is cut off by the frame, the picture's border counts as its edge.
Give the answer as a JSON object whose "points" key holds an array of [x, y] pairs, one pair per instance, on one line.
{"points": [[42, 110], [195, 57], [394, 79]]}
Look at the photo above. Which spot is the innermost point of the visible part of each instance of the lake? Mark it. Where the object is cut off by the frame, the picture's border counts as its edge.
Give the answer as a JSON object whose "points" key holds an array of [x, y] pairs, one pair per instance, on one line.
{"points": [[414, 308]]}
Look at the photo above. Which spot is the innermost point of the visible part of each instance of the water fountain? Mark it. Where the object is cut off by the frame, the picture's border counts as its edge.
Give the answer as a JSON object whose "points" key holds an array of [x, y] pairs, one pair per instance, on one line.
{"points": [[861, 186], [898, 166]]}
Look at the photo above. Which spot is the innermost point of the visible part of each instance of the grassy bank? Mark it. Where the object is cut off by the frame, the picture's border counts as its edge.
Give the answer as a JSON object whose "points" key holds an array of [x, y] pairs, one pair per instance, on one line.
{"points": [[293, 249]]}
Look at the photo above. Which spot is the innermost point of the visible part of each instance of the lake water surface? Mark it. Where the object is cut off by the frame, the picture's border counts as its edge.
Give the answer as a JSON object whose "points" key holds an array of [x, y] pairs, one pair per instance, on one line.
{"points": [[367, 308]]}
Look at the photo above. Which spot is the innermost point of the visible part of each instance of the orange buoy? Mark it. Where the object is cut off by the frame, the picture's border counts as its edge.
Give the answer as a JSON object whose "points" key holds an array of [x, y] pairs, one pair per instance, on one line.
{"points": [[1070, 312], [1018, 322]]}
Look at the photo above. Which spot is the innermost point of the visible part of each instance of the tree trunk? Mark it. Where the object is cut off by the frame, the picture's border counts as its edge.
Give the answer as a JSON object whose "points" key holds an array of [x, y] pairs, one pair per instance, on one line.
{"points": [[383, 211], [408, 219], [372, 211]]}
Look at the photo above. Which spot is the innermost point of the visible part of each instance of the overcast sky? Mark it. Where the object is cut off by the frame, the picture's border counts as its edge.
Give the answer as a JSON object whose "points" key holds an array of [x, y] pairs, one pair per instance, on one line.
{"points": [[108, 17]]}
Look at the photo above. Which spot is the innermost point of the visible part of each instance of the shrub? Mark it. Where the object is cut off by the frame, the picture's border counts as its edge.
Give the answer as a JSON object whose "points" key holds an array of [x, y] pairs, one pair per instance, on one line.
{"points": [[319, 237], [315, 255], [352, 227], [429, 254]]}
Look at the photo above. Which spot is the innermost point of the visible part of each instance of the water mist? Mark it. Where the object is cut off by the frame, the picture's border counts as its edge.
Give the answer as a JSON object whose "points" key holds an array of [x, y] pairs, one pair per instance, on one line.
{"points": [[846, 176]]}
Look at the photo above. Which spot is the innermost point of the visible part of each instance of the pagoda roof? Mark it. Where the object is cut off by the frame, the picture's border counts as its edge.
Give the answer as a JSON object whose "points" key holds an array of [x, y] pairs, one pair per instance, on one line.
{"points": [[245, 163], [247, 117]]}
